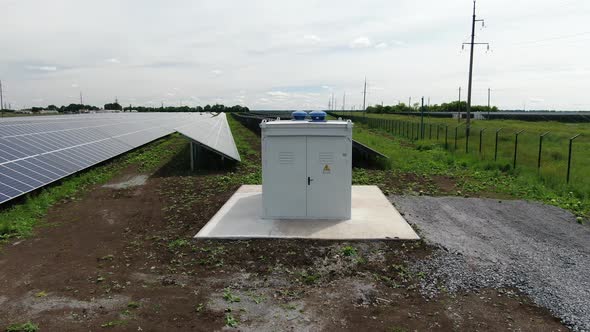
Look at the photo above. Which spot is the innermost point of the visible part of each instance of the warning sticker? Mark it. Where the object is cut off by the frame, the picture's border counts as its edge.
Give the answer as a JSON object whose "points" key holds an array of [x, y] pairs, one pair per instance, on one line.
{"points": [[327, 169]]}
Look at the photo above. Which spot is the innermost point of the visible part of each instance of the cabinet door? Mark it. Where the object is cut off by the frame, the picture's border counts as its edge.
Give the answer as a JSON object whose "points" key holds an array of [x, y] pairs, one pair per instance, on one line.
{"points": [[327, 161], [284, 177]]}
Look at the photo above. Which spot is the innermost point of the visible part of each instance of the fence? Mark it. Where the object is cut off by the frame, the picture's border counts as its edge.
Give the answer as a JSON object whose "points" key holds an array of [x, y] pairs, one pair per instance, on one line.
{"points": [[557, 158]]}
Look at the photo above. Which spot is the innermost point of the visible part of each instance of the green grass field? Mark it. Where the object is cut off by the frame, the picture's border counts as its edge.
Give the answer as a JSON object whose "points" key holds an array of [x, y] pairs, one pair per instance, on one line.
{"points": [[479, 172]]}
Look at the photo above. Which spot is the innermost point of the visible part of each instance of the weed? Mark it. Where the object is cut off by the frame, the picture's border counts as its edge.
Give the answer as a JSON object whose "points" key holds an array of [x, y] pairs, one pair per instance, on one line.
{"points": [[133, 305], [41, 294], [349, 251], [199, 307], [229, 296], [178, 244], [308, 278], [113, 323], [23, 327], [231, 321]]}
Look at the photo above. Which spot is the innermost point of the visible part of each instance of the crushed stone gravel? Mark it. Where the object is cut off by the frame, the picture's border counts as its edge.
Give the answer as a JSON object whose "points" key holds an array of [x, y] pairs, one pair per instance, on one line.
{"points": [[487, 243]]}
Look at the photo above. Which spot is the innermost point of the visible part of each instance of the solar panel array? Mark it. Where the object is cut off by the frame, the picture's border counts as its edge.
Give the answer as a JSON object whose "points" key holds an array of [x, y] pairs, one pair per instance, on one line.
{"points": [[214, 132], [36, 151]]}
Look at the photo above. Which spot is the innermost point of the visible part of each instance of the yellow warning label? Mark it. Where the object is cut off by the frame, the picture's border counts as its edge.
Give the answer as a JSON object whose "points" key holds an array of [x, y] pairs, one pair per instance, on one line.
{"points": [[327, 169]]}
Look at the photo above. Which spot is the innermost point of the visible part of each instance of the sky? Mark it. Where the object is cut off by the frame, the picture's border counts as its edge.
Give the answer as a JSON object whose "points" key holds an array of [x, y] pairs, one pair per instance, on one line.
{"points": [[278, 54]]}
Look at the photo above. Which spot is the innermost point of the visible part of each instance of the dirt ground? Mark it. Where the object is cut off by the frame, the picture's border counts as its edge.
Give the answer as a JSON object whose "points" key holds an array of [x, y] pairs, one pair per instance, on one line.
{"points": [[122, 257]]}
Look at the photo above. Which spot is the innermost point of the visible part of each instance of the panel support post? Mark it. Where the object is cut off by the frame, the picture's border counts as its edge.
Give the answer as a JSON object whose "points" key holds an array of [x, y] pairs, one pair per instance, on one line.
{"points": [[192, 156]]}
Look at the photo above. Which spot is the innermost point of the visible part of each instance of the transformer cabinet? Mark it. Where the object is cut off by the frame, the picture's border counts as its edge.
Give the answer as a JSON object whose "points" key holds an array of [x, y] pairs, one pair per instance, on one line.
{"points": [[306, 168]]}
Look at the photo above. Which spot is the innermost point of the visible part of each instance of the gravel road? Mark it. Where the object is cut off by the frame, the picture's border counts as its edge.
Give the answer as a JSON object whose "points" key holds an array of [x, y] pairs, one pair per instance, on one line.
{"points": [[538, 249]]}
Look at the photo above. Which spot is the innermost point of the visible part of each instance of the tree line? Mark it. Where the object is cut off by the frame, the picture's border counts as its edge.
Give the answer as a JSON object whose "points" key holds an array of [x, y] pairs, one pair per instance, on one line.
{"points": [[453, 107]]}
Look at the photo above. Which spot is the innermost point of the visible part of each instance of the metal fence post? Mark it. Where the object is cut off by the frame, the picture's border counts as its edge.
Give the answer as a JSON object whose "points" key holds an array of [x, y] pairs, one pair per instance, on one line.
{"points": [[481, 138], [496, 146], [446, 137], [540, 150], [516, 146], [437, 132], [456, 128], [412, 136], [430, 131], [569, 158]]}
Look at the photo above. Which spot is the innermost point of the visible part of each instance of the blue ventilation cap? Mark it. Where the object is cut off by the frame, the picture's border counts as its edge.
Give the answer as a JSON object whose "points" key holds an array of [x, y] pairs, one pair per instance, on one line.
{"points": [[299, 115], [318, 116]]}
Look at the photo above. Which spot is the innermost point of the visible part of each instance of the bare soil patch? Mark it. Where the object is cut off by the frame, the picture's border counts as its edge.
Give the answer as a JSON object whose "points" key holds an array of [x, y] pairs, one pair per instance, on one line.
{"points": [[124, 259]]}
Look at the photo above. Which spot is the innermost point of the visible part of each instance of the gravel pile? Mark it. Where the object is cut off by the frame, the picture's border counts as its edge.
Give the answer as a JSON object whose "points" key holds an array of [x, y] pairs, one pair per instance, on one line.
{"points": [[540, 250]]}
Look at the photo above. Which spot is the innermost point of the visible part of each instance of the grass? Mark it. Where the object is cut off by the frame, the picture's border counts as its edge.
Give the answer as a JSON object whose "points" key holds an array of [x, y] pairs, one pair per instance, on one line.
{"points": [[18, 221], [554, 153], [23, 327], [472, 174]]}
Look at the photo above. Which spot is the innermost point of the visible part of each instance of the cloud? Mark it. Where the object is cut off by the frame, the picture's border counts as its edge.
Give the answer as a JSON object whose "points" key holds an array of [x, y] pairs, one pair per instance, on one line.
{"points": [[113, 60], [360, 42], [381, 45], [278, 94], [41, 68], [74, 85], [536, 100], [312, 39], [217, 71]]}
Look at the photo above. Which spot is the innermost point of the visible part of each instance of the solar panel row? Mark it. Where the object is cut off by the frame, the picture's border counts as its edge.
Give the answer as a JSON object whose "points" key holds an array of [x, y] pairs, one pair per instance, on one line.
{"points": [[37, 151]]}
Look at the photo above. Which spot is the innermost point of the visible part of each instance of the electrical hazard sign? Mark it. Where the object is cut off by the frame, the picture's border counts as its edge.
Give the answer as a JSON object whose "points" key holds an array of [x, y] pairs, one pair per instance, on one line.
{"points": [[327, 169]]}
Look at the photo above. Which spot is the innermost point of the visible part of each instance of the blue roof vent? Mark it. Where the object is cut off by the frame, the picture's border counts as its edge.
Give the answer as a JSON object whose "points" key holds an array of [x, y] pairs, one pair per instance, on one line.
{"points": [[299, 115], [317, 116]]}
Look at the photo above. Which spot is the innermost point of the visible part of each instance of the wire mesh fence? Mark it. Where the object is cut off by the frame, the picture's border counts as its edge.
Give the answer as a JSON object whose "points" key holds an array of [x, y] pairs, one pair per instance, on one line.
{"points": [[558, 157]]}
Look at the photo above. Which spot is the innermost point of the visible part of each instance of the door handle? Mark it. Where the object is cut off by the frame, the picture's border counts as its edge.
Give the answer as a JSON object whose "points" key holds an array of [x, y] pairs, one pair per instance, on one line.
{"points": [[309, 179]]}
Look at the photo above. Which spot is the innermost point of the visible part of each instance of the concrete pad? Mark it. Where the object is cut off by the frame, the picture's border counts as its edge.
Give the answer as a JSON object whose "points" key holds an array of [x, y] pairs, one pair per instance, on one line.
{"points": [[373, 218]]}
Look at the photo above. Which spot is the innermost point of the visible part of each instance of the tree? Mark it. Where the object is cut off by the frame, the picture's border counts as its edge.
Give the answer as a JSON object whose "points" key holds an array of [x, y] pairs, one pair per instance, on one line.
{"points": [[113, 106]]}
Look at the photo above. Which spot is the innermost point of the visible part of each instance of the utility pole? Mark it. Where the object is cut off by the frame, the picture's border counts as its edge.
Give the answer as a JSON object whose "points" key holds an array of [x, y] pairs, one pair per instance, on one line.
{"points": [[410, 102], [472, 45], [344, 101], [489, 91], [365, 94], [365, 98], [81, 102], [459, 106], [1, 100]]}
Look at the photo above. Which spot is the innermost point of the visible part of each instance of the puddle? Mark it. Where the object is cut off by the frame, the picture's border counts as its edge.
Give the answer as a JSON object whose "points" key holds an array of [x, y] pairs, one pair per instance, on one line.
{"points": [[138, 180]]}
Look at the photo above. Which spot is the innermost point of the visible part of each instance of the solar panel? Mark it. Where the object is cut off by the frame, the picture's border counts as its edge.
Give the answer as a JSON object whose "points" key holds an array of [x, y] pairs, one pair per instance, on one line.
{"points": [[36, 151], [214, 132]]}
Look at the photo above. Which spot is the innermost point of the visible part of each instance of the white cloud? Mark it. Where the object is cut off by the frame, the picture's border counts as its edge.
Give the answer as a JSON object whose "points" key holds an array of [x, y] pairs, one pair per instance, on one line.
{"points": [[360, 42], [217, 72], [312, 39], [113, 60], [536, 100], [381, 45], [278, 94], [74, 85], [42, 68]]}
